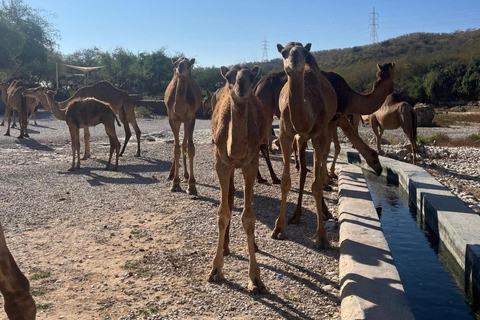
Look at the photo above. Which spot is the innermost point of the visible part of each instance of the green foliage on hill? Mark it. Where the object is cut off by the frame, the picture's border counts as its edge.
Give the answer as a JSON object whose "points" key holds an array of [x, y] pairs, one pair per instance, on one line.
{"points": [[430, 67]]}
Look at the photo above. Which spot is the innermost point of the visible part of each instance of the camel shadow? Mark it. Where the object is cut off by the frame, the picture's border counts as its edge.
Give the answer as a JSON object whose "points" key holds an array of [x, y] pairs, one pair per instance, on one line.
{"points": [[33, 144]]}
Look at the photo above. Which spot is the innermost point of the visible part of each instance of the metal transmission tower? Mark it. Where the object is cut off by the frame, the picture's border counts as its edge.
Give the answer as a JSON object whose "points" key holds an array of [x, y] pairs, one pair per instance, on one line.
{"points": [[265, 50], [374, 26]]}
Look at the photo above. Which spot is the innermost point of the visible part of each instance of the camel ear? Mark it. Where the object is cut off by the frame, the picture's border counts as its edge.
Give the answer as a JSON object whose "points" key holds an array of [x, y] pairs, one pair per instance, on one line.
{"points": [[308, 46], [279, 47], [378, 67], [175, 61], [393, 64], [223, 71], [192, 61], [255, 70]]}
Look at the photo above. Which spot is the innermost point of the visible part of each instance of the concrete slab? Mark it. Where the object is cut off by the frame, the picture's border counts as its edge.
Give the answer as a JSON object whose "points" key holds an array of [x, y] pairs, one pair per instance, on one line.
{"points": [[370, 284], [457, 226]]}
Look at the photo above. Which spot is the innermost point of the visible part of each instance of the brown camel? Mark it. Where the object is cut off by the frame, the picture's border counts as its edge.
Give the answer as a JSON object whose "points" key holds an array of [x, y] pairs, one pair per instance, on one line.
{"points": [[307, 104], [15, 101], [182, 98], [392, 115], [15, 288], [31, 105], [84, 113], [238, 126], [119, 101], [352, 105]]}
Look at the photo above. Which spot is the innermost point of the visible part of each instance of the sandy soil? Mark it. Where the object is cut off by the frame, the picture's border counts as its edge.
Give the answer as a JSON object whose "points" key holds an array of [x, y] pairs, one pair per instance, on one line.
{"points": [[98, 244]]}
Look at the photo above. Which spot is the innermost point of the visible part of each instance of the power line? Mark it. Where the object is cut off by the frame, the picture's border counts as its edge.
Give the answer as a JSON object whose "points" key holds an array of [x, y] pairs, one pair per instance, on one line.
{"points": [[374, 25], [265, 50]]}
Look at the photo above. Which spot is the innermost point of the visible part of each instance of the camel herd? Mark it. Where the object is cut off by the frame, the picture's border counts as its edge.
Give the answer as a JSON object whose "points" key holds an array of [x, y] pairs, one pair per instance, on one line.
{"points": [[309, 102]]}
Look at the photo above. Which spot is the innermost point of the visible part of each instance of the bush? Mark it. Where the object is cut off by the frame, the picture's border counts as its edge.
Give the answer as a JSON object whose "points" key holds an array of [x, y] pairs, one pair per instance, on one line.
{"points": [[144, 112]]}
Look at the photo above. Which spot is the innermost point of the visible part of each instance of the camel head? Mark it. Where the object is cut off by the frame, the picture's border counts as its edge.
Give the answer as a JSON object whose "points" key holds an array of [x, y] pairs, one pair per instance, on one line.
{"points": [[294, 56], [33, 92], [183, 66], [385, 73], [240, 80]]}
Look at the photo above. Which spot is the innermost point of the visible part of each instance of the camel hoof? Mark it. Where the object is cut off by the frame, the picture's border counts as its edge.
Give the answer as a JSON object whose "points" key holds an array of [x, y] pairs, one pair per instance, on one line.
{"points": [[333, 175], [261, 180], [327, 188], [7, 134], [20, 137], [84, 158], [175, 188], [137, 155], [278, 234], [322, 243], [26, 135], [295, 219], [115, 169], [71, 169], [2, 124], [192, 190], [226, 252], [276, 181], [215, 276], [170, 176], [256, 286]]}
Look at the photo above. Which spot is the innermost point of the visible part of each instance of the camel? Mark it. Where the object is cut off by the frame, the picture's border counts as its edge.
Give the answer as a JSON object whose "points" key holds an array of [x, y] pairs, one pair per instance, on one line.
{"points": [[31, 105], [183, 98], [392, 115], [15, 101], [15, 288], [119, 101], [238, 126], [307, 103], [82, 113]]}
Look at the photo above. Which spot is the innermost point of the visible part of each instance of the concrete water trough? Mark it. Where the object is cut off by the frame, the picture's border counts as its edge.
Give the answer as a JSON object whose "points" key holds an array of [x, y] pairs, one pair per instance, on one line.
{"points": [[371, 287]]}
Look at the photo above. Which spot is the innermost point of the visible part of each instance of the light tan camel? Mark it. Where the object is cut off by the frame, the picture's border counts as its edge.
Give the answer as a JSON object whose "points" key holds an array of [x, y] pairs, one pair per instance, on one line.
{"points": [[182, 98], [15, 101], [307, 104], [238, 126], [15, 288], [31, 105], [119, 101], [392, 115]]}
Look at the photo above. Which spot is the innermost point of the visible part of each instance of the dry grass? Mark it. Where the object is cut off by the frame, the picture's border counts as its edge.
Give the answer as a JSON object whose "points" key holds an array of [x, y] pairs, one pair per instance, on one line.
{"points": [[456, 118], [444, 140]]}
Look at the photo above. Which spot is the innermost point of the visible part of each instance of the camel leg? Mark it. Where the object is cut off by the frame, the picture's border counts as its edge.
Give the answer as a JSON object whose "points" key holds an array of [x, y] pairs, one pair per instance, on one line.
{"points": [[408, 126], [336, 143], [302, 146], [184, 154], [370, 155], [224, 174], [86, 140], [4, 116], [32, 114], [231, 198], [174, 170], [192, 189], [9, 120], [320, 238], [74, 137], [15, 288], [248, 220], [286, 147], [129, 114], [114, 143], [266, 156], [15, 114]]}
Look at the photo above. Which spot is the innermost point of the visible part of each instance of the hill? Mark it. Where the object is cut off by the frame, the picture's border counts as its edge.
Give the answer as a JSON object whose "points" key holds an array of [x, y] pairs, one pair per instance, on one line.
{"points": [[430, 67]]}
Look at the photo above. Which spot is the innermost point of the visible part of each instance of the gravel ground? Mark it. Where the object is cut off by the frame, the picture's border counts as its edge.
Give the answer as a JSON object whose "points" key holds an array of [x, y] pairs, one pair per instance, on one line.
{"points": [[98, 244]]}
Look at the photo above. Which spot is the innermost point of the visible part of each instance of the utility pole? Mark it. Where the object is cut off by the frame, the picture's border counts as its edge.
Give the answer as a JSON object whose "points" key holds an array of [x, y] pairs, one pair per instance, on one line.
{"points": [[374, 26], [265, 50]]}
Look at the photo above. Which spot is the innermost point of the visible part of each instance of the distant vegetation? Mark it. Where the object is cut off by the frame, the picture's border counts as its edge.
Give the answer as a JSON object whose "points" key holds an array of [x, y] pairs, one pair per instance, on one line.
{"points": [[432, 68]]}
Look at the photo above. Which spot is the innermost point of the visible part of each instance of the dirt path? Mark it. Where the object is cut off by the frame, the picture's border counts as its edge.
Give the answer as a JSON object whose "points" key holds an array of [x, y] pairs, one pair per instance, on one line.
{"points": [[119, 245]]}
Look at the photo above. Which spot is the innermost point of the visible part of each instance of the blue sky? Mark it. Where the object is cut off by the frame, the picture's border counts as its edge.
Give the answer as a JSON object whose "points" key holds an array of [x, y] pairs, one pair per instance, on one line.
{"points": [[227, 32]]}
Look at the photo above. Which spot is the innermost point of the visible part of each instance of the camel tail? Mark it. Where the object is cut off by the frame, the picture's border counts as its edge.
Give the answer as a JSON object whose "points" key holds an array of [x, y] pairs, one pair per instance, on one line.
{"points": [[118, 122]]}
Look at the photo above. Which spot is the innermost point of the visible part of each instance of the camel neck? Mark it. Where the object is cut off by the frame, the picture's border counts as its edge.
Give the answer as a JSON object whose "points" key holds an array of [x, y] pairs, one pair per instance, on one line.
{"points": [[238, 131], [365, 104], [299, 115], [180, 105], [55, 108]]}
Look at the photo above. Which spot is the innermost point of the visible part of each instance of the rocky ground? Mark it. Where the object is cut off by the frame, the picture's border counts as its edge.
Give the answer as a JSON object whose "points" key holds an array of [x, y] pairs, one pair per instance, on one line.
{"points": [[98, 244]]}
